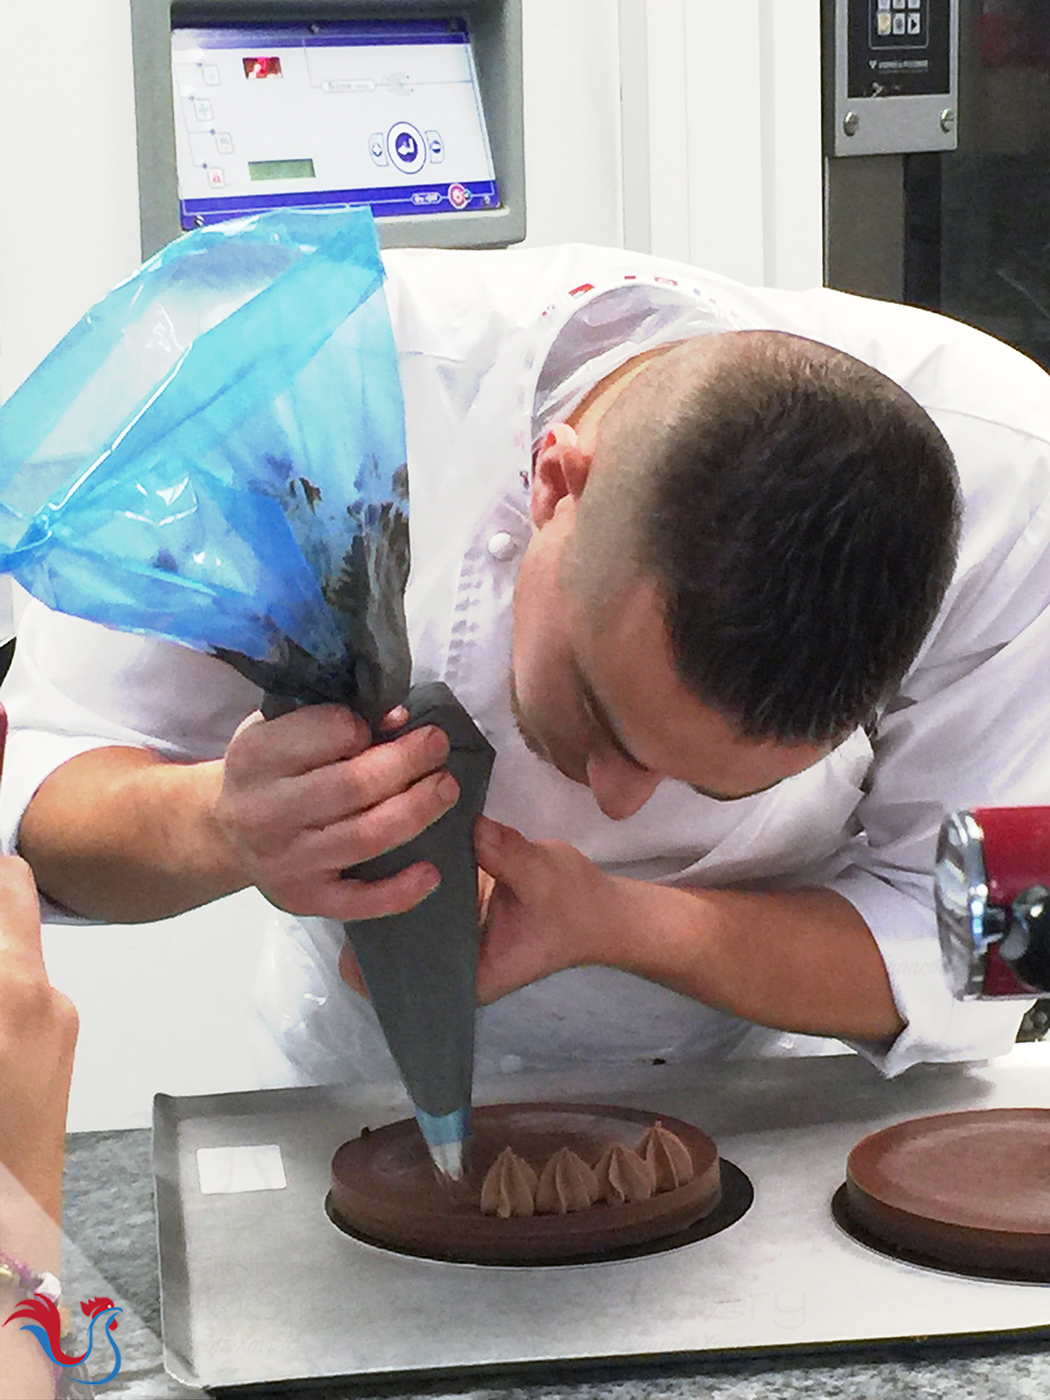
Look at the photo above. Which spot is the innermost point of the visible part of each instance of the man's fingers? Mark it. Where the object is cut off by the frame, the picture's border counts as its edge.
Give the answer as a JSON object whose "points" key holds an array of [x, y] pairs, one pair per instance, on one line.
{"points": [[296, 743], [394, 720], [350, 900], [503, 852], [391, 824], [329, 794], [300, 855], [256, 717], [308, 795]]}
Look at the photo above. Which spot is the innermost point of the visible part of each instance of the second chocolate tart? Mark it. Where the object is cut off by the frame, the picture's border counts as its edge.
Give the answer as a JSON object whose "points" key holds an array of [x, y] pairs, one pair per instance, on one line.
{"points": [[969, 1190]]}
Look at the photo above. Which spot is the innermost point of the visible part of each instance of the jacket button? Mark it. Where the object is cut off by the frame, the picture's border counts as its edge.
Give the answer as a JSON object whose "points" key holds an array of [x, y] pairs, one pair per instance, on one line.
{"points": [[503, 546]]}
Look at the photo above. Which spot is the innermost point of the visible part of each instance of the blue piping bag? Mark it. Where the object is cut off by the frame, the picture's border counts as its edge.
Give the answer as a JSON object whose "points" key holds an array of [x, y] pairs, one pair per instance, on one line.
{"points": [[215, 456]]}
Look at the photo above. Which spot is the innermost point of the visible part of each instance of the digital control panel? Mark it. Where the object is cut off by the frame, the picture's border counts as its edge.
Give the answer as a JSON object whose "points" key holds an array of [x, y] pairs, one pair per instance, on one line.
{"points": [[893, 66], [899, 47], [380, 112], [900, 23]]}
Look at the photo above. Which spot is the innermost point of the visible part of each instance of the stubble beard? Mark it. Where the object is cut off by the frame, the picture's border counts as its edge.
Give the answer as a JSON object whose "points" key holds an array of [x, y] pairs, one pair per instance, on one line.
{"points": [[527, 735]]}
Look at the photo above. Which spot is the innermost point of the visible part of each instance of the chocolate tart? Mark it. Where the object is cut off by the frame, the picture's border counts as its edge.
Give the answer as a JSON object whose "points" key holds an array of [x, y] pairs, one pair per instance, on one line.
{"points": [[967, 1190], [385, 1190]]}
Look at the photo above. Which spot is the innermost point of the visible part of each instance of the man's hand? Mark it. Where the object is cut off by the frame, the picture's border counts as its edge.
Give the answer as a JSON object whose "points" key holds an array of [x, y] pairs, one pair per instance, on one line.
{"points": [[540, 908], [125, 835], [38, 1033], [800, 960], [306, 795], [548, 908]]}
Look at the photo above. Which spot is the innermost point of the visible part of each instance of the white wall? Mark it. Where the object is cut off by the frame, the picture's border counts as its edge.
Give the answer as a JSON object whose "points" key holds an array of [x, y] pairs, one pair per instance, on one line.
{"points": [[68, 183], [572, 122], [721, 135], [717, 160], [163, 1008]]}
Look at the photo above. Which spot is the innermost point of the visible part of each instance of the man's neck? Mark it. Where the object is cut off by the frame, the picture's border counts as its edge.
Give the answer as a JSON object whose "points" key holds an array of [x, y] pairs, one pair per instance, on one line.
{"points": [[587, 414]]}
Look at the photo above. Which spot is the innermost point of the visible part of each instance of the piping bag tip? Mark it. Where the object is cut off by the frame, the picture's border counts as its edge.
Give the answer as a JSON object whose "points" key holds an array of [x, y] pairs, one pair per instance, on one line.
{"points": [[447, 1137]]}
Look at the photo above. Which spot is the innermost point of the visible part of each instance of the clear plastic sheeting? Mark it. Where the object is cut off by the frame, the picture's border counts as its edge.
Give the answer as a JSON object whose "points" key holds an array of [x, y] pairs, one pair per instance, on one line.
{"points": [[215, 455]]}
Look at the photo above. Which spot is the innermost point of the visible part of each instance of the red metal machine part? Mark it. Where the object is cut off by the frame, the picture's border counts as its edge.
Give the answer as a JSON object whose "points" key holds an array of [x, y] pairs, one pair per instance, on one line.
{"points": [[993, 901]]}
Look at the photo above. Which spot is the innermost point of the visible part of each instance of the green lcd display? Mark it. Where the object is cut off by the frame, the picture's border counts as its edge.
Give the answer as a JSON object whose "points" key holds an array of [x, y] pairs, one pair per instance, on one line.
{"points": [[281, 169]]}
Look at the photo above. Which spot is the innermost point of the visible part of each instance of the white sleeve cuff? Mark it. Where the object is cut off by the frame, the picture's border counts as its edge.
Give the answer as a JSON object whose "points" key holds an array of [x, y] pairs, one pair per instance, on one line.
{"points": [[938, 1027]]}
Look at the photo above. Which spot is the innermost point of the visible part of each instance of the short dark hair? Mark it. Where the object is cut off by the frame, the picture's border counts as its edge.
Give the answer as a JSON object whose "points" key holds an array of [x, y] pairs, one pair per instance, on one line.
{"points": [[801, 514]]}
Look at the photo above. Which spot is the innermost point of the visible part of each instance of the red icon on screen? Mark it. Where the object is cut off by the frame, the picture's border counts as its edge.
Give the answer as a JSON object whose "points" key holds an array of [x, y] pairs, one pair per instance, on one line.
{"points": [[262, 67]]}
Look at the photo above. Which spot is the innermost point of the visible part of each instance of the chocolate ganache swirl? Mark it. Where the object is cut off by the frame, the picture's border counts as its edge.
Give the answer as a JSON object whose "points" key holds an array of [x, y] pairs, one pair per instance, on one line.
{"points": [[567, 1184]]}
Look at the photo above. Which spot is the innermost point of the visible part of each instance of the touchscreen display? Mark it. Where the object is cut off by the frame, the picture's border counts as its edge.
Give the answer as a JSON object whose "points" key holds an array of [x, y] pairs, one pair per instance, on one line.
{"points": [[385, 113]]}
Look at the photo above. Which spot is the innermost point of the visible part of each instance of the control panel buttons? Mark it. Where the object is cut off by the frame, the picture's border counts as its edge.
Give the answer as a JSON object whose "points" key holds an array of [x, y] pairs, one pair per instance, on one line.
{"points": [[406, 148], [435, 147], [224, 143], [377, 148]]}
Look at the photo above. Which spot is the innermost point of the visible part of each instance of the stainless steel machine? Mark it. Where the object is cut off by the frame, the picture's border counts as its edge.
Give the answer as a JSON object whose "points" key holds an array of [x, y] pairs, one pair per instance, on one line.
{"points": [[942, 199]]}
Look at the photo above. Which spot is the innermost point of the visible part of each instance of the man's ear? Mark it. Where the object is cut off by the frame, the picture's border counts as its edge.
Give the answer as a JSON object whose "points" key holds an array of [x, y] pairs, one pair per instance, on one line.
{"points": [[561, 469]]}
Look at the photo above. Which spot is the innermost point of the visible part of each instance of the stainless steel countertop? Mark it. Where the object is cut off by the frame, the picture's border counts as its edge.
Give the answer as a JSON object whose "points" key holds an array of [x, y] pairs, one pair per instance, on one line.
{"points": [[110, 1220]]}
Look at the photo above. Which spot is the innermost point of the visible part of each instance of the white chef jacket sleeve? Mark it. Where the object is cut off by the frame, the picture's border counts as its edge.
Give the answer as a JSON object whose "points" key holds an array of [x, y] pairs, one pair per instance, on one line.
{"points": [[969, 728], [75, 686]]}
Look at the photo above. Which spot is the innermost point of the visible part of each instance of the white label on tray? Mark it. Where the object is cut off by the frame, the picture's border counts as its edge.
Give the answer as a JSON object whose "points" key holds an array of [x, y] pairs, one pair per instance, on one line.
{"points": [[233, 1169]]}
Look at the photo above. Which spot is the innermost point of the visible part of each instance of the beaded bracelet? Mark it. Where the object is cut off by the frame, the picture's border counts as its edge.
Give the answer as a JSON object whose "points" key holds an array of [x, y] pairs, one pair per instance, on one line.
{"points": [[29, 1282], [14, 1271]]}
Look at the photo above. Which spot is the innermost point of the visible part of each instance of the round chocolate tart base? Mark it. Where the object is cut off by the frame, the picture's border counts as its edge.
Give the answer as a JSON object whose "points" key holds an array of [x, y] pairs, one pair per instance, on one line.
{"points": [[967, 1191], [385, 1188]]}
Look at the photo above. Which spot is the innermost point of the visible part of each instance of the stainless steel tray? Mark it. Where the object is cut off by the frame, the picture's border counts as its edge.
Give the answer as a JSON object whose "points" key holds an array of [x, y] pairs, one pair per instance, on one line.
{"points": [[258, 1286]]}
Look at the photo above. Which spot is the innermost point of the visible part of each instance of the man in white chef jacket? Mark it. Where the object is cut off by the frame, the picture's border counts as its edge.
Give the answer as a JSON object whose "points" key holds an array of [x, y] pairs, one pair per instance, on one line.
{"points": [[671, 883]]}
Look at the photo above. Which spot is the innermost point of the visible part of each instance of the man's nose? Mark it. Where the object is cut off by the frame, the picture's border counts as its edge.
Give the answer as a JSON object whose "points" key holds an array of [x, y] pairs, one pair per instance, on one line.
{"points": [[620, 789]]}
